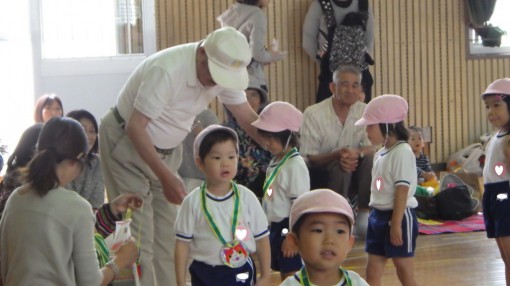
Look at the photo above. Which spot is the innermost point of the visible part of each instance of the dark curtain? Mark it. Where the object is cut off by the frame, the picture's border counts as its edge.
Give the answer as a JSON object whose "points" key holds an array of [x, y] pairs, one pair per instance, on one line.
{"points": [[480, 11]]}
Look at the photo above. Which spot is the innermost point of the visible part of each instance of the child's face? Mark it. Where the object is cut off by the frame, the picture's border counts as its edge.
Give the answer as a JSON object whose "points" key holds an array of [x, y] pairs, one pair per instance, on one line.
{"points": [[324, 240], [416, 141], [374, 134], [90, 131], [220, 164], [273, 145], [497, 111]]}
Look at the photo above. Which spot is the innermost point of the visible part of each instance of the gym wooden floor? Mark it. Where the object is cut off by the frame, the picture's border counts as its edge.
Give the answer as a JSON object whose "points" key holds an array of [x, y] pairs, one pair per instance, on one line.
{"points": [[446, 259]]}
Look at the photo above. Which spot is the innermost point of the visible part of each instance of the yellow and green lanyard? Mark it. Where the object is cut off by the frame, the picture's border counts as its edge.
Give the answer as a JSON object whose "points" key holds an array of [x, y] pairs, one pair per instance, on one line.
{"points": [[270, 179], [210, 219], [303, 277]]}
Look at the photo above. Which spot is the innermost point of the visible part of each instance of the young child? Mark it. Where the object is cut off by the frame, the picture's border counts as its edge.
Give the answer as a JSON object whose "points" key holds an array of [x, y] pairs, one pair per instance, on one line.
{"points": [[423, 167], [496, 176], [247, 17], [287, 177], [392, 224], [220, 223], [321, 222]]}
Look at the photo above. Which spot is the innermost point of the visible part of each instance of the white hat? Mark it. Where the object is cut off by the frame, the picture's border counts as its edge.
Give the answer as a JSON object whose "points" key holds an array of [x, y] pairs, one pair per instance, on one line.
{"points": [[208, 130], [228, 55]]}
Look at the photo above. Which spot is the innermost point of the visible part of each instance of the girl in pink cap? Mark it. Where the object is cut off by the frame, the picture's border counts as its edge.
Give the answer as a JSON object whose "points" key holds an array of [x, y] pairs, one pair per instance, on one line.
{"points": [[392, 224], [496, 204], [287, 177]]}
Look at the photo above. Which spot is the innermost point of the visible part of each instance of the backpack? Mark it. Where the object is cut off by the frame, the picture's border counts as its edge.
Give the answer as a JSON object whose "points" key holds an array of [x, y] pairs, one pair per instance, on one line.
{"points": [[454, 201], [345, 43]]}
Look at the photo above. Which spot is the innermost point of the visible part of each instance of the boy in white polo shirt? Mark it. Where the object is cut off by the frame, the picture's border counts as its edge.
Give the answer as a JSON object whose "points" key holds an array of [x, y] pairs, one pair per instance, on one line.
{"points": [[321, 222], [220, 223]]}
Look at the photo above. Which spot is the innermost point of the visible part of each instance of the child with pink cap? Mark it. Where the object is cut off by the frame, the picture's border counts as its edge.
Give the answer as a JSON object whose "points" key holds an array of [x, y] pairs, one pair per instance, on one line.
{"points": [[220, 223], [321, 222], [392, 224], [287, 177], [496, 178]]}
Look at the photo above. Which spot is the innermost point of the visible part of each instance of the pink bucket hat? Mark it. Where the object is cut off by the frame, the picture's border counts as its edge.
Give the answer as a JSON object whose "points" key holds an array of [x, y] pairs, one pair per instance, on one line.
{"points": [[499, 86], [320, 201], [211, 128], [279, 116], [228, 55], [387, 108]]}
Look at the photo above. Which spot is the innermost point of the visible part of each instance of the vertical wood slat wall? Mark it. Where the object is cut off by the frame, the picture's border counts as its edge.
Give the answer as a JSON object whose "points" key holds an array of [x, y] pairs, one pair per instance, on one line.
{"points": [[420, 53]]}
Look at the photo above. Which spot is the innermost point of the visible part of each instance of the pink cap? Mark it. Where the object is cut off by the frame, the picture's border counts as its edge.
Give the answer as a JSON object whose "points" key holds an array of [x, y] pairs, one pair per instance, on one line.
{"points": [[279, 116], [211, 128], [228, 55], [320, 201], [499, 86], [387, 108]]}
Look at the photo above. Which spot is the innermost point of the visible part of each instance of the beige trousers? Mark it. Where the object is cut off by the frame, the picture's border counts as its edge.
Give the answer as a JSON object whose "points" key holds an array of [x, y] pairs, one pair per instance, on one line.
{"points": [[125, 171]]}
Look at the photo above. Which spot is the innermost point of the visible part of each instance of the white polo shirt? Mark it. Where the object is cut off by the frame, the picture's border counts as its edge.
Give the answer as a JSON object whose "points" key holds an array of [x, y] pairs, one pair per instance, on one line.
{"points": [[393, 167], [166, 89], [191, 224], [291, 181], [495, 158], [322, 131]]}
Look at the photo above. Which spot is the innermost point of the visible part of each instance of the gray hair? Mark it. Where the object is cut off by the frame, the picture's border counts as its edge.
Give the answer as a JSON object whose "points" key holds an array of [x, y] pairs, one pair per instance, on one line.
{"points": [[346, 69]]}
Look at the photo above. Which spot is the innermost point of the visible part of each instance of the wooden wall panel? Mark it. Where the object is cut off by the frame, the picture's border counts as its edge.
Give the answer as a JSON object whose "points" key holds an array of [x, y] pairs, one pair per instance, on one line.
{"points": [[420, 53]]}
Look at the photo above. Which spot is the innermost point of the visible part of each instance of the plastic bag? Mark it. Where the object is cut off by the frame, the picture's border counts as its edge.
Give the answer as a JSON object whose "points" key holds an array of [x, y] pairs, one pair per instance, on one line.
{"points": [[126, 277]]}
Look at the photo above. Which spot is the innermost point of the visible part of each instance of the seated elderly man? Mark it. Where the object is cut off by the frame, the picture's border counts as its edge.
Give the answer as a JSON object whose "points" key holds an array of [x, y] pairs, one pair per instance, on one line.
{"points": [[339, 154]]}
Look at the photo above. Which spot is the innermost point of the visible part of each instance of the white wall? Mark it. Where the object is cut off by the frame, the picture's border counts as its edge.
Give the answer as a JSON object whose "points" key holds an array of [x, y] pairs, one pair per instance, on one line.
{"points": [[96, 93]]}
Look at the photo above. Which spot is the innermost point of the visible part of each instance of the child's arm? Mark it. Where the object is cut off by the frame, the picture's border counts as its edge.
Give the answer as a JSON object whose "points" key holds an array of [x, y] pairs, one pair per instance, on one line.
{"points": [[181, 261], [399, 206], [264, 256], [289, 248]]}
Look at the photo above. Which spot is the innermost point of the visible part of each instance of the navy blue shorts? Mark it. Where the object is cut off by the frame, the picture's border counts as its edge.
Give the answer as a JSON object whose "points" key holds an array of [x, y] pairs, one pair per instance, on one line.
{"points": [[378, 234], [203, 274], [278, 262], [496, 209]]}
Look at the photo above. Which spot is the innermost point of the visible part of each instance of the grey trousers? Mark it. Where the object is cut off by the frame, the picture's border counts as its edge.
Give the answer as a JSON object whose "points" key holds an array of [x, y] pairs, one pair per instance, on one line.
{"points": [[354, 186]]}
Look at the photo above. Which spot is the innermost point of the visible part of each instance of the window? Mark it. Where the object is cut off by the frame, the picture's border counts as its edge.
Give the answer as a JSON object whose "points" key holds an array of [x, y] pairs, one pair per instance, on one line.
{"points": [[500, 19], [92, 28]]}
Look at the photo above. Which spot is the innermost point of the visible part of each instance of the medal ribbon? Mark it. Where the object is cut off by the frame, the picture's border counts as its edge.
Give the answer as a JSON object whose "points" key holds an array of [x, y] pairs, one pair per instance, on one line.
{"points": [[210, 219], [269, 180], [303, 277]]}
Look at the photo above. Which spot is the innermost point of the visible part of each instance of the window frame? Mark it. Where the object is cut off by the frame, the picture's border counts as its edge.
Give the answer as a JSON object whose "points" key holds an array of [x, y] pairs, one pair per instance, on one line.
{"points": [[92, 65], [475, 50]]}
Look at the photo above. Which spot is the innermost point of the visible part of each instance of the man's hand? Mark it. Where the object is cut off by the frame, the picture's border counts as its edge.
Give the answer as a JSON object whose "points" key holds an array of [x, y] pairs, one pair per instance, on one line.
{"points": [[349, 159], [121, 203], [173, 188]]}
